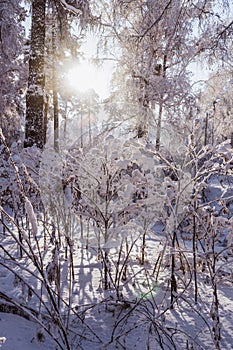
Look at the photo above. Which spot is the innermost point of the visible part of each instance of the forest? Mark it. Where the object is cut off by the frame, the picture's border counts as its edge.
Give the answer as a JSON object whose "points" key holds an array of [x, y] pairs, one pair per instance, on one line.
{"points": [[116, 174]]}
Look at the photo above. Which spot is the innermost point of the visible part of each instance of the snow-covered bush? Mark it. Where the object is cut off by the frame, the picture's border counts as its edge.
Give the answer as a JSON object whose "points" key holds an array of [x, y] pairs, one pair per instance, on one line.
{"points": [[113, 198], [19, 171], [197, 221], [113, 187]]}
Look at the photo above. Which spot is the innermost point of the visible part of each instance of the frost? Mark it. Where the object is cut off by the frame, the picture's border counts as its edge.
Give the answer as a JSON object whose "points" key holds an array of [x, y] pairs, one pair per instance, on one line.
{"points": [[31, 216], [68, 195], [73, 9], [2, 341], [121, 214]]}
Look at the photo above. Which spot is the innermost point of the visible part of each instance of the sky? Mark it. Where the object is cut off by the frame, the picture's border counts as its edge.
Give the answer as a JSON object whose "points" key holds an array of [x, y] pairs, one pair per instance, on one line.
{"points": [[88, 74]]}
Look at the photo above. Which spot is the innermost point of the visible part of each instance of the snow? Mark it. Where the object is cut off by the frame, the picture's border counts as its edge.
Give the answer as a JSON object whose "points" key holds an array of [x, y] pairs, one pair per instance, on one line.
{"points": [[57, 273], [114, 242], [20, 334], [131, 322]]}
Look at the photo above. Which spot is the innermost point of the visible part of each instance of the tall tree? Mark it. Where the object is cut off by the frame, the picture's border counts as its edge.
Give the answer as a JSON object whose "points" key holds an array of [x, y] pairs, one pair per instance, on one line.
{"points": [[12, 72], [61, 46], [50, 29], [158, 40], [34, 123], [216, 106]]}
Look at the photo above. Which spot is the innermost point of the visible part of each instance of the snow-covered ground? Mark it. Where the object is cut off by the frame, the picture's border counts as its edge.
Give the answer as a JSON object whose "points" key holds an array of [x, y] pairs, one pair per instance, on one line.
{"points": [[57, 274], [20, 334], [142, 320]]}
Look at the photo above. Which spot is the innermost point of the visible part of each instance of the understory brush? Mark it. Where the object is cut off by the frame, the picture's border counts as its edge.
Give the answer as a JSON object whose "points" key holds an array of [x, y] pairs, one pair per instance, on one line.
{"points": [[119, 247]]}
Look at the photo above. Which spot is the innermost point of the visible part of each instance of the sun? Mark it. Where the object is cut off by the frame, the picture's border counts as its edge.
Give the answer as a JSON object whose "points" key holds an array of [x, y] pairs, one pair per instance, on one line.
{"points": [[85, 76]]}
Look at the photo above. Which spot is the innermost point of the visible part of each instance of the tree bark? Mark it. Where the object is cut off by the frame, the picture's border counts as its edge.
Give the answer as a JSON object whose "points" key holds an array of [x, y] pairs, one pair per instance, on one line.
{"points": [[34, 123], [55, 93], [159, 126]]}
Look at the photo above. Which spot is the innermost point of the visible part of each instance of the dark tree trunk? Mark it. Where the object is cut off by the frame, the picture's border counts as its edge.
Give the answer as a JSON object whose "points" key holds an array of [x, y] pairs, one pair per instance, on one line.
{"points": [[232, 139], [55, 93], [173, 277], [206, 129], [34, 123]]}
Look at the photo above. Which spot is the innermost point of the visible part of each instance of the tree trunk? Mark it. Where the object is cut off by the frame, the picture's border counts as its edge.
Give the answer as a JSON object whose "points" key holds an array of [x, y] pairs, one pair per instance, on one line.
{"points": [[34, 123], [55, 94], [173, 277], [159, 124], [232, 139], [206, 129]]}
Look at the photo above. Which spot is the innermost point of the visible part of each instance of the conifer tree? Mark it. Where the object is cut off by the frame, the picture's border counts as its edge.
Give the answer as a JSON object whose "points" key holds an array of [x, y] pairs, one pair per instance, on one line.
{"points": [[34, 123], [60, 13], [12, 70]]}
